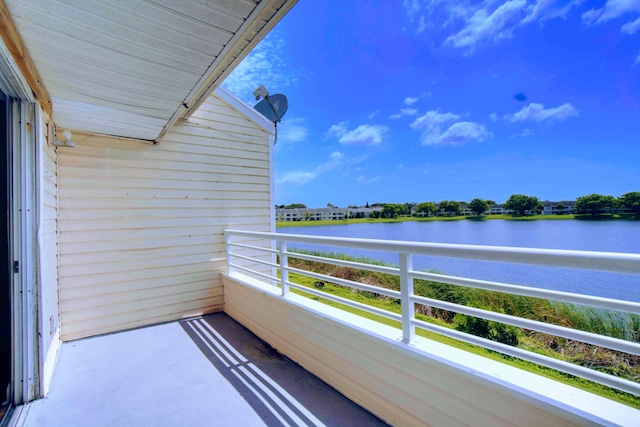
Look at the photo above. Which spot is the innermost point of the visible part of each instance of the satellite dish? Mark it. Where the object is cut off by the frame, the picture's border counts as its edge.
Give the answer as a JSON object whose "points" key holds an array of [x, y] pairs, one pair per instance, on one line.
{"points": [[273, 107]]}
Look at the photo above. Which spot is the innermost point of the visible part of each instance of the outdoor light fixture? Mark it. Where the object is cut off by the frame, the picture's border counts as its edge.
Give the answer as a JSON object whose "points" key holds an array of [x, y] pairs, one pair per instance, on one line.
{"points": [[67, 140]]}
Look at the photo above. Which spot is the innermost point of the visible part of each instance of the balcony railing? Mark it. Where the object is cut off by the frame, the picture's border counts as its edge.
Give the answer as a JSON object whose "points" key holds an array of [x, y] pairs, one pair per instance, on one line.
{"points": [[255, 253]]}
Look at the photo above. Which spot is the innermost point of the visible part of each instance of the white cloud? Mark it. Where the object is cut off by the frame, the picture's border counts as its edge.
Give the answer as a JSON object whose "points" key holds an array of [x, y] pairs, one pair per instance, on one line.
{"points": [[611, 10], [296, 177], [493, 117], [337, 130], [432, 119], [457, 134], [482, 25], [435, 14], [614, 9], [372, 115], [413, 7], [464, 24], [404, 112], [422, 24], [543, 10], [291, 131], [524, 134], [637, 60], [537, 113], [362, 180], [300, 177], [591, 16], [535, 10], [362, 135], [631, 27], [265, 65], [409, 100]]}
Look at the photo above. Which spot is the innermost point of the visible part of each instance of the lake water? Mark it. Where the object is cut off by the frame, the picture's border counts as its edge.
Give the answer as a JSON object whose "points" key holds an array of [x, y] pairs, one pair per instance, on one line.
{"points": [[607, 236]]}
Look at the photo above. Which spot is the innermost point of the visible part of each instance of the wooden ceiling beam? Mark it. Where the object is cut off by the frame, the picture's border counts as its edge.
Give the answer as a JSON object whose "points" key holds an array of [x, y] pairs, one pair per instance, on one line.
{"points": [[18, 50]]}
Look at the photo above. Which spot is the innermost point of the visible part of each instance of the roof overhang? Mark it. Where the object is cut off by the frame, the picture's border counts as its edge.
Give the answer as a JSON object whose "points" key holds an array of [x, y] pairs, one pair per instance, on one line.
{"points": [[132, 69], [249, 112]]}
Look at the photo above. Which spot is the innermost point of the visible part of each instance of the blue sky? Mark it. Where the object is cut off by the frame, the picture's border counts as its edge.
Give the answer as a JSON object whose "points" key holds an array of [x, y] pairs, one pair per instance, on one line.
{"points": [[427, 100]]}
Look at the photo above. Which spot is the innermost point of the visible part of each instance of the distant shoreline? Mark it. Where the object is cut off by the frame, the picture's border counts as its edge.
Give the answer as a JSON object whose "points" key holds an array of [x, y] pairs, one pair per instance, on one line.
{"points": [[587, 217]]}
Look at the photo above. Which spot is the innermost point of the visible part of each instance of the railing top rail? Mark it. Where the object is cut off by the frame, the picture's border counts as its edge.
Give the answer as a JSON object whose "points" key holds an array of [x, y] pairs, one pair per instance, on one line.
{"points": [[586, 260]]}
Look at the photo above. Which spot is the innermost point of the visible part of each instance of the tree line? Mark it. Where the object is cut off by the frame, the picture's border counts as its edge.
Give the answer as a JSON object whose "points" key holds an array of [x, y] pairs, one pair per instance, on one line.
{"points": [[520, 204], [445, 207], [595, 203]]}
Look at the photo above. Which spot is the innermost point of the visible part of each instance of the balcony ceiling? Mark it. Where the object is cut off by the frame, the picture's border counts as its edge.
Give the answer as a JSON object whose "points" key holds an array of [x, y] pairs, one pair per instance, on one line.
{"points": [[131, 69]]}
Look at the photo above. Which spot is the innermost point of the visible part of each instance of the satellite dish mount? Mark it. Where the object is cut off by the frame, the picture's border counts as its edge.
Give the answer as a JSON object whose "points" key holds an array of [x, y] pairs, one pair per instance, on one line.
{"points": [[272, 107]]}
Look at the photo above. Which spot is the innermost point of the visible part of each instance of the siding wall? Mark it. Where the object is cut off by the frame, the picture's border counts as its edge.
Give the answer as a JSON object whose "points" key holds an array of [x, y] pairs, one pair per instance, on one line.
{"points": [[141, 225], [48, 252]]}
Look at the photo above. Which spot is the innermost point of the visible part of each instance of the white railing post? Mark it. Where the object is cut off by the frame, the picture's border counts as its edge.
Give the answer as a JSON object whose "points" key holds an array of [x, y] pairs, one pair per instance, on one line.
{"points": [[227, 239], [406, 291], [274, 261], [284, 270]]}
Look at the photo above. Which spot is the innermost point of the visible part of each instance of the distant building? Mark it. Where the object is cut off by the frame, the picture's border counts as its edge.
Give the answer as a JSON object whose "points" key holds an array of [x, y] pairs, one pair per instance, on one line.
{"points": [[496, 210], [563, 207], [559, 208], [363, 212], [320, 214]]}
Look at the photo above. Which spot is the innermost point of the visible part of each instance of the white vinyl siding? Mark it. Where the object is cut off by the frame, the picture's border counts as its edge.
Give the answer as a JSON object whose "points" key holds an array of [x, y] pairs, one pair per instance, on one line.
{"points": [[48, 253], [49, 235], [141, 225]]}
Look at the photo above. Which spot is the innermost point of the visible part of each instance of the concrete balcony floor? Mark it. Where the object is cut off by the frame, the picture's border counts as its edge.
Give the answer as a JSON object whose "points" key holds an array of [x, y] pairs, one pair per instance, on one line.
{"points": [[205, 371]]}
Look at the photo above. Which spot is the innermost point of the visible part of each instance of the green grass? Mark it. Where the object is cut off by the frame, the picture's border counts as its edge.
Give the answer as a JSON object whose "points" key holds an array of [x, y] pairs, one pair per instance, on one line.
{"points": [[589, 319], [605, 322], [284, 224]]}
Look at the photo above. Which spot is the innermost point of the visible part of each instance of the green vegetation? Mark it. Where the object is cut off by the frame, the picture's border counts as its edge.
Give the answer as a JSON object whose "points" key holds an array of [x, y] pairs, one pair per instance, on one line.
{"points": [[615, 324], [450, 207], [292, 206], [479, 206], [521, 204], [391, 210], [594, 203], [426, 208], [631, 201]]}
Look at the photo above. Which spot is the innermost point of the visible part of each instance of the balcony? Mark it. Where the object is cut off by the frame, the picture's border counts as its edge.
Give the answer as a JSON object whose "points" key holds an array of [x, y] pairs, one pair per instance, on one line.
{"points": [[211, 370], [403, 377]]}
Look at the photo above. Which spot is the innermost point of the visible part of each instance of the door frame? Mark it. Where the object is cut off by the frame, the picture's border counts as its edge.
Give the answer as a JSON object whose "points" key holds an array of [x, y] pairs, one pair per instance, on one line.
{"points": [[23, 253], [22, 147], [5, 146]]}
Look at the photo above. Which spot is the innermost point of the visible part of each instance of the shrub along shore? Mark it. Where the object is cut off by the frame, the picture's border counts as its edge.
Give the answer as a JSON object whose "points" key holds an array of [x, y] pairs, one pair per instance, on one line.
{"points": [[601, 217], [611, 323]]}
